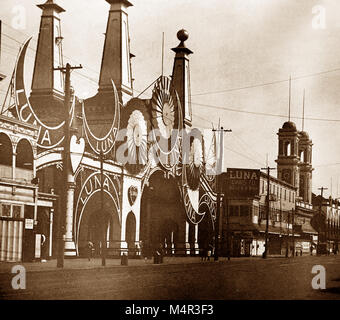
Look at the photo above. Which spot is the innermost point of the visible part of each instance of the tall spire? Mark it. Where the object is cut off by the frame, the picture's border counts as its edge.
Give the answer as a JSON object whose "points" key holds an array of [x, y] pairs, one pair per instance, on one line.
{"points": [[116, 64], [181, 76], [47, 82]]}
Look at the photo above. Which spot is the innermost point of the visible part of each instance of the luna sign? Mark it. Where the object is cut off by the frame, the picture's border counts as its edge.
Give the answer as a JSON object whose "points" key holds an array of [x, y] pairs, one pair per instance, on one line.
{"points": [[48, 137], [104, 144]]}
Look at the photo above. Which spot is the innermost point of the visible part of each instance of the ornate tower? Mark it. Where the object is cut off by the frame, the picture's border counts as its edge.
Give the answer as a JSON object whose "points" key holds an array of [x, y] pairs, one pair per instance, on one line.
{"points": [[305, 165], [288, 158], [116, 64], [48, 84], [181, 76]]}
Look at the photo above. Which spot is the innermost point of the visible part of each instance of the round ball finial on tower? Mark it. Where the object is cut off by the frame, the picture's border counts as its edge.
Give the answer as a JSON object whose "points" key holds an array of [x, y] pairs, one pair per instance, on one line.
{"points": [[182, 35]]}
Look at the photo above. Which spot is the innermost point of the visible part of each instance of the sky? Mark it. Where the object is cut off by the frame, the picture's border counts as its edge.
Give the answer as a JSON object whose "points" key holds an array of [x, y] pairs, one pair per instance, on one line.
{"points": [[244, 54]]}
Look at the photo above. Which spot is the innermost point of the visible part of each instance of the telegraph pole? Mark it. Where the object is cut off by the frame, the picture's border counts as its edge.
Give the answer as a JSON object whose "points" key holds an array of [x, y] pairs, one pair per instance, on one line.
{"points": [[320, 213], [66, 162], [221, 132], [265, 254]]}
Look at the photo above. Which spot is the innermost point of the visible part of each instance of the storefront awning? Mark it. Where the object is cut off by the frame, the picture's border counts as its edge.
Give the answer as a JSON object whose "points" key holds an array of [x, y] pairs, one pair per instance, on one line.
{"points": [[307, 228], [276, 230]]}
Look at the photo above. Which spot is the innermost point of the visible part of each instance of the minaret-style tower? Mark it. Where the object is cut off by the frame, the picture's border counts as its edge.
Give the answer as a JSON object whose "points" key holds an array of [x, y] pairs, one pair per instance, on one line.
{"points": [[305, 165], [116, 64], [288, 159], [181, 76], [48, 84]]}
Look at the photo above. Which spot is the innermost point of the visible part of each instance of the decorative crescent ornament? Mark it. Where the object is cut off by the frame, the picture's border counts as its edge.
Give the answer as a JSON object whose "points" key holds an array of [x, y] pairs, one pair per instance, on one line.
{"points": [[48, 137], [104, 144], [167, 122], [136, 142]]}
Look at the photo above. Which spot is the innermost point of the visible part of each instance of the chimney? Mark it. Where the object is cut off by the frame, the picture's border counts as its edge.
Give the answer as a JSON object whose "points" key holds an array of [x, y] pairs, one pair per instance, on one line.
{"points": [[116, 60]]}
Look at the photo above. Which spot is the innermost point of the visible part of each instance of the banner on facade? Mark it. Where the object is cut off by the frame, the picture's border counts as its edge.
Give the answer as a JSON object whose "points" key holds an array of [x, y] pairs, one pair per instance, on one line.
{"points": [[241, 183]]}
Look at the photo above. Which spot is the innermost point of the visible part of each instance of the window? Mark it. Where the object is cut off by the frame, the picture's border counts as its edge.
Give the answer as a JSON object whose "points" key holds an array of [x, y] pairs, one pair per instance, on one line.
{"points": [[244, 211], [233, 211], [262, 212], [5, 210], [17, 212]]}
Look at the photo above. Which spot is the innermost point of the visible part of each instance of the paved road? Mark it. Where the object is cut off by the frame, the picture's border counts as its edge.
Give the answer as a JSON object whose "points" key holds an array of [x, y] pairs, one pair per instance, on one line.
{"points": [[252, 278]]}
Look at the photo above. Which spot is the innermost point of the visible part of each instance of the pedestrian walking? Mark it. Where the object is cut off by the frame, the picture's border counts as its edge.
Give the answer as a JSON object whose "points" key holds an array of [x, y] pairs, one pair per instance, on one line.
{"points": [[89, 250]]}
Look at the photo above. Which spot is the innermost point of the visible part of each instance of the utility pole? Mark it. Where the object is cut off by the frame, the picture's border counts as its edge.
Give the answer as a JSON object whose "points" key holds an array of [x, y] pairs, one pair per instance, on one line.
{"points": [[102, 209], [265, 254], [221, 132], [320, 213], [66, 162]]}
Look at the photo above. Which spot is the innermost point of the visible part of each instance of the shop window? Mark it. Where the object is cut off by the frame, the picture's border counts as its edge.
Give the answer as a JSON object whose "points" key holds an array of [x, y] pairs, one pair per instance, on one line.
{"points": [[244, 211], [5, 210]]}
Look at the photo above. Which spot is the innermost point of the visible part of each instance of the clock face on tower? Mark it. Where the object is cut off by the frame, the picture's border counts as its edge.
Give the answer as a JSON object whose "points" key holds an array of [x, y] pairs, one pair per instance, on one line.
{"points": [[287, 175]]}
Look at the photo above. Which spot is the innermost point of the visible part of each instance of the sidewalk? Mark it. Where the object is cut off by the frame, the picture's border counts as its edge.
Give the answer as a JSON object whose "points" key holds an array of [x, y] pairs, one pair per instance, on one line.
{"points": [[83, 263], [95, 263]]}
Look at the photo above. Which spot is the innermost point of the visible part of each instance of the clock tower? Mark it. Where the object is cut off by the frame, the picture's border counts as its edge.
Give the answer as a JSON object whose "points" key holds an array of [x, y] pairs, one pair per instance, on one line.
{"points": [[288, 168]]}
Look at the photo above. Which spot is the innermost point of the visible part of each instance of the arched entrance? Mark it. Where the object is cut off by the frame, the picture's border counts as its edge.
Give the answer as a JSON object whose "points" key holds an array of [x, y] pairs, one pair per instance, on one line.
{"points": [[206, 230], [163, 219], [95, 224], [130, 236]]}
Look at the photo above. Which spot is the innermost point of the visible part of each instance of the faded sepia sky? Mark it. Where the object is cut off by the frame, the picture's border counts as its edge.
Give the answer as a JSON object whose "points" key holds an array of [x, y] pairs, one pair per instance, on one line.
{"points": [[236, 44]]}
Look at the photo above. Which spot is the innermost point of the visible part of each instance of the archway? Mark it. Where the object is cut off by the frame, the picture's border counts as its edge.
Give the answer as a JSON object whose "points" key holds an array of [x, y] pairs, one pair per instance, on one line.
{"points": [[206, 229], [24, 155], [130, 234], [96, 223], [6, 152], [163, 219]]}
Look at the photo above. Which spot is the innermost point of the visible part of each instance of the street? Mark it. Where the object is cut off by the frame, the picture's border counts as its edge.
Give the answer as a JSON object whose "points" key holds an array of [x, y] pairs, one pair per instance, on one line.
{"points": [[240, 278]]}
